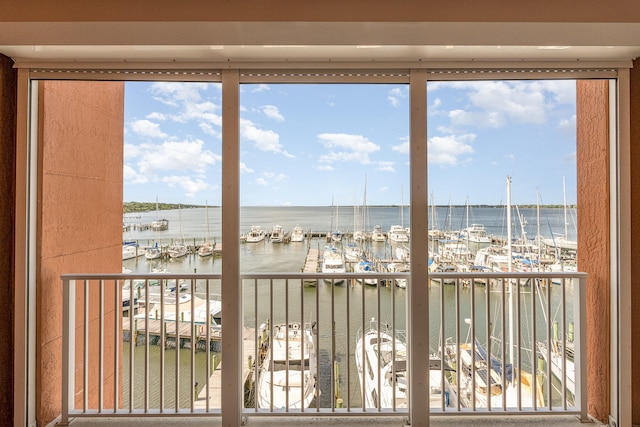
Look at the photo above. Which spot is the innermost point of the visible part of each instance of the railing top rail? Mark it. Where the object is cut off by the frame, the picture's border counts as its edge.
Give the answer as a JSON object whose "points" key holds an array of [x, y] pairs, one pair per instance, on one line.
{"points": [[275, 275]]}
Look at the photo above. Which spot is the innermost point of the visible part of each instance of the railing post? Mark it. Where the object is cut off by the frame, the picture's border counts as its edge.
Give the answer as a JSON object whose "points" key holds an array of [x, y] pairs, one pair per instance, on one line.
{"points": [[68, 348], [580, 307]]}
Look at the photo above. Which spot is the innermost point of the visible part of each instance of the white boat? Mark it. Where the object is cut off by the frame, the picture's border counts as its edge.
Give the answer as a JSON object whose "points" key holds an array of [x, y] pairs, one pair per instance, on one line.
{"points": [[206, 249], [381, 360], [475, 233], [557, 361], [332, 263], [363, 268], [153, 252], [393, 267], [287, 374], [177, 250], [160, 225], [277, 234], [353, 253], [255, 235], [182, 308], [378, 235], [130, 251], [398, 234], [489, 388], [297, 235]]}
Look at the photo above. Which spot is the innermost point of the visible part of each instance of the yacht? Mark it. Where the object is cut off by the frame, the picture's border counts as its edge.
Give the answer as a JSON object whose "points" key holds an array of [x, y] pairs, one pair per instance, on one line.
{"points": [[332, 263], [277, 234], [287, 374], [378, 235], [398, 234], [255, 235], [297, 235], [381, 360]]}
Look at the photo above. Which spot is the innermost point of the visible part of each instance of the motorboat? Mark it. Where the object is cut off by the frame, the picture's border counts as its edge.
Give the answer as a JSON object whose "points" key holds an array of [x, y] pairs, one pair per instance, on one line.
{"points": [[363, 268], [255, 235], [381, 361], [398, 234], [277, 234], [130, 251], [206, 249], [297, 235], [333, 263], [287, 374], [378, 235]]}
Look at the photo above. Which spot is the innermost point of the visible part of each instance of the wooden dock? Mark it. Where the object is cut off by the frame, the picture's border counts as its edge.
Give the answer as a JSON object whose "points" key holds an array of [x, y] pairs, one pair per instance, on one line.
{"points": [[185, 334], [311, 262], [215, 381]]}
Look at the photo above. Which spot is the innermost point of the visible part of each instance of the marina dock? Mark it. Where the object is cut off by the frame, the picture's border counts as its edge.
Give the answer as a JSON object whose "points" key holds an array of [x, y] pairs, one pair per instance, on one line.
{"points": [[154, 329], [215, 381]]}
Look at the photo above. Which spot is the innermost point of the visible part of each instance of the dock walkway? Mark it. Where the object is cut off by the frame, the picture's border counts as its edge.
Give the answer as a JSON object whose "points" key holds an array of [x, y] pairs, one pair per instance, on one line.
{"points": [[214, 389]]}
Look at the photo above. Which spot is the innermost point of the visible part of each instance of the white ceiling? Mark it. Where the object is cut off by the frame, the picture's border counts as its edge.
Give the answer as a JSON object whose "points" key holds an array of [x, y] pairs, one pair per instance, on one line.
{"points": [[317, 42]]}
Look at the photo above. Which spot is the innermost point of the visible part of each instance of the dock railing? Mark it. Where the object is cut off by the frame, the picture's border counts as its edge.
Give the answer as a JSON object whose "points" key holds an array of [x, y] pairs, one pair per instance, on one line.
{"points": [[319, 344]]}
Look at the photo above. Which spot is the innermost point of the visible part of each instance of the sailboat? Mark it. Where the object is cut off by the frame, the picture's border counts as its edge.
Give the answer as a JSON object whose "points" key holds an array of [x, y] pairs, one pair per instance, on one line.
{"points": [[155, 251], [480, 373], [397, 233], [207, 247], [178, 249]]}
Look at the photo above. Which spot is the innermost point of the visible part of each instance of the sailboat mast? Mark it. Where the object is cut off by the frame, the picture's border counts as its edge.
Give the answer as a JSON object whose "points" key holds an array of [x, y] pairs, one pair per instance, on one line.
{"points": [[510, 269], [564, 202]]}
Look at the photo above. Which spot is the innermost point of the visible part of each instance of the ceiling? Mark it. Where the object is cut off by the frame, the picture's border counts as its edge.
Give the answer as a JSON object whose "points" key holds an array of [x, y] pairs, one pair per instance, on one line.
{"points": [[312, 42]]}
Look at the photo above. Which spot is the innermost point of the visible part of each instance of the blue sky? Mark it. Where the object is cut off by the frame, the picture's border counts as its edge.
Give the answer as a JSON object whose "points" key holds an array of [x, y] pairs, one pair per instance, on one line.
{"points": [[317, 144]]}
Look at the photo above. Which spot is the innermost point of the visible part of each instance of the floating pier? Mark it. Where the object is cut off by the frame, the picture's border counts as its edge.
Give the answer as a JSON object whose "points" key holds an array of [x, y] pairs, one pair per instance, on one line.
{"points": [[185, 334]]}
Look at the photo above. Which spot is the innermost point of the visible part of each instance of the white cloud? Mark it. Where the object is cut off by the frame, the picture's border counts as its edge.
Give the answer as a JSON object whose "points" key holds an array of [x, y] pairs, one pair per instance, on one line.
{"points": [[396, 95], [386, 166], [325, 168], [157, 116], [262, 181], [147, 128], [272, 112], [349, 148], [264, 140], [244, 168], [402, 148], [447, 150], [261, 88], [189, 185], [132, 177], [175, 156], [568, 126]]}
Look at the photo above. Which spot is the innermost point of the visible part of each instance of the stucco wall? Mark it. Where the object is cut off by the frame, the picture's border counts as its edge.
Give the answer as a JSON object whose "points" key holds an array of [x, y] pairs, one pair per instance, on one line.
{"points": [[593, 234], [7, 198], [79, 216]]}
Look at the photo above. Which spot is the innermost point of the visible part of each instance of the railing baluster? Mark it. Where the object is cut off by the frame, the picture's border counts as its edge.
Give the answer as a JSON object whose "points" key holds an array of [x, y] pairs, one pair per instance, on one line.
{"points": [[101, 343], [95, 302]]}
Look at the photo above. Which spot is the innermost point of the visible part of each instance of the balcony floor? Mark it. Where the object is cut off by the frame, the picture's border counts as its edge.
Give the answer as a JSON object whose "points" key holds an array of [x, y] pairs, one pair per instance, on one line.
{"points": [[461, 421]]}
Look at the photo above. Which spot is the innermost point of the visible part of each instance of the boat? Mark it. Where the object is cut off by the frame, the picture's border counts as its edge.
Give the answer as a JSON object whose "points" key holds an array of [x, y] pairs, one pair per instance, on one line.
{"points": [[481, 369], [332, 263], [363, 268], [352, 253], [287, 374], [277, 234], [177, 250], [255, 235], [160, 225], [394, 267], [557, 360], [378, 235], [381, 361], [131, 250], [154, 252], [297, 235], [206, 249], [398, 234], [475, 233]]}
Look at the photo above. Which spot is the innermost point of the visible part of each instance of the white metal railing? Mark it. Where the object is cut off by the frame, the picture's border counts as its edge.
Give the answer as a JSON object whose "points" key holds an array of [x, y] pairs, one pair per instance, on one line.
{"points": [[314, 347]]}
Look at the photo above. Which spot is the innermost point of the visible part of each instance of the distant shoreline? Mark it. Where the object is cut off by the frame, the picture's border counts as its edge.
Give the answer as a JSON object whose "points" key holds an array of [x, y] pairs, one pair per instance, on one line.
{"points": [[136, 207]]}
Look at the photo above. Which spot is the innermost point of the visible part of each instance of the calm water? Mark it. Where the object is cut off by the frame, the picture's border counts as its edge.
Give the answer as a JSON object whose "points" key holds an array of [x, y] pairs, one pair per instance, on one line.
{"points": [[340, 310]]}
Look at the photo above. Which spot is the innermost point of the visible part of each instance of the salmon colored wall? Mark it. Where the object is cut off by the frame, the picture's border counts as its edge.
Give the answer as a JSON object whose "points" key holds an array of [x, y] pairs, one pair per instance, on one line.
{"points": [[593, 234], [324, 11], [79, 219], [8, 82], [635, 242]]}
